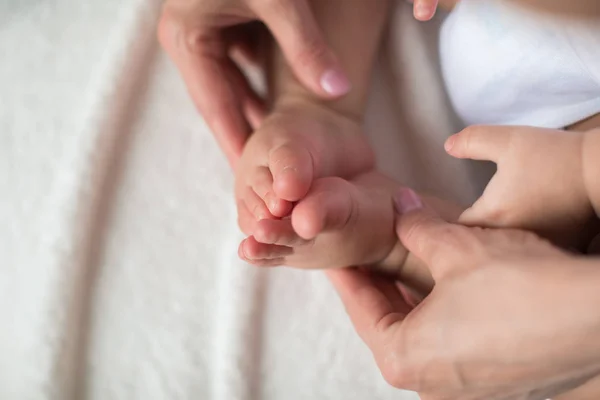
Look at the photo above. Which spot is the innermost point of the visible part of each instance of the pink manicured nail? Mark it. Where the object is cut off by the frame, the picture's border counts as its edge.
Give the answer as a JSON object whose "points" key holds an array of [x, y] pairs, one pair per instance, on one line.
{"points": [[406, 200], [335, 82], [423, 12]]}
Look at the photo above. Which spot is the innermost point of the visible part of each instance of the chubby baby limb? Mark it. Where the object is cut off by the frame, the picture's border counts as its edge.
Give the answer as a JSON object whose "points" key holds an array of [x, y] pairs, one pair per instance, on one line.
{"points": [[342, 223]]}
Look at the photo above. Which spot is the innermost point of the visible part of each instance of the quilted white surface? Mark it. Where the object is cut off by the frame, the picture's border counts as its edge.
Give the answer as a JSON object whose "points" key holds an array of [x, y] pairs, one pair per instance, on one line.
{"points": [[118, 270]]}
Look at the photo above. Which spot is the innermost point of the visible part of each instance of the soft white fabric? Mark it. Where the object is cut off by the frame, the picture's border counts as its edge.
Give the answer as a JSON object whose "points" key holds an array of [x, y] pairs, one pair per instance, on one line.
{"points": [[118, 270], [507, 65]]}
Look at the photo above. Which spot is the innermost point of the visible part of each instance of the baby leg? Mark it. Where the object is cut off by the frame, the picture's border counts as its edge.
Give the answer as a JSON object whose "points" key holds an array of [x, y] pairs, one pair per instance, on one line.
{"points": [[339, 224]]}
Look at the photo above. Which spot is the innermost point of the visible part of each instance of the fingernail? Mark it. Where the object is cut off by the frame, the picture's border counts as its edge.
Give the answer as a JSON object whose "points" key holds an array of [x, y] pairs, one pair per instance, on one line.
{"points": [[449, 143], [406, 200], [423, 12], [335, 82]]}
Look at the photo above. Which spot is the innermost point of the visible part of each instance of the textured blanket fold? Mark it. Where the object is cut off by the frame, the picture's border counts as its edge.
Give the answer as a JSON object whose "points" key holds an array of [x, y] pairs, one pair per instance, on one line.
{"points": [[119, 276]]}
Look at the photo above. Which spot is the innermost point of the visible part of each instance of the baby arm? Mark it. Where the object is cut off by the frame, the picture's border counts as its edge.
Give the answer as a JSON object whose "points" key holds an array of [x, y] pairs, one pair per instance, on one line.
{"points": [[547, 181], [539, 184]]}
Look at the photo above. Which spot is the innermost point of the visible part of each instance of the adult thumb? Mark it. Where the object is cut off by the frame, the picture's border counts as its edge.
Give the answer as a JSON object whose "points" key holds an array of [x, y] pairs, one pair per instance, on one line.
{"points": [[424, 233]]}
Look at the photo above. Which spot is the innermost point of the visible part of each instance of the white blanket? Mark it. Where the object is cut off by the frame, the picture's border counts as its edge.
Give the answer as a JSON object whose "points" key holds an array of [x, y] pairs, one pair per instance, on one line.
{"points": [[118, 270]]}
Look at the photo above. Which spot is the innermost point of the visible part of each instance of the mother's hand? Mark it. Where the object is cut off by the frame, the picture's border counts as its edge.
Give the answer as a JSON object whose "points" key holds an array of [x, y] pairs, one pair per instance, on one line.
{"points": [[510, 317], [199, 36]]}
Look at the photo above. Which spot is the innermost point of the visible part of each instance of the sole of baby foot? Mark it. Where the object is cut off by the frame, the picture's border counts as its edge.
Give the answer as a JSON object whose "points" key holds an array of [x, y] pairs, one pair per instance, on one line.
{"points": [[261, 183], [343, 223], [320, 142]]}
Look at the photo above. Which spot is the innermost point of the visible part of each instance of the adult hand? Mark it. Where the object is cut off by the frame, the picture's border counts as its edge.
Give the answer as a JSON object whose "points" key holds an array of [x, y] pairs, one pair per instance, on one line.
{"points": [[199, 36], [510, 316]]}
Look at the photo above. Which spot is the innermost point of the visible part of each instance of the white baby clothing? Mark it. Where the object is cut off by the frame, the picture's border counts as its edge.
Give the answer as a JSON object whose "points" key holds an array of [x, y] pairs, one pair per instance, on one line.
{"points": [[507, 65]]}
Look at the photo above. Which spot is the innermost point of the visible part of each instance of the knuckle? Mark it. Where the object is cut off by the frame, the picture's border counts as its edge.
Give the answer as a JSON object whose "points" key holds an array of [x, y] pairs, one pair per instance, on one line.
{"points": [[311, 51], [397, 362], [397, 372], [175, 33], [196, 40], [446, 235], [450, 243]]}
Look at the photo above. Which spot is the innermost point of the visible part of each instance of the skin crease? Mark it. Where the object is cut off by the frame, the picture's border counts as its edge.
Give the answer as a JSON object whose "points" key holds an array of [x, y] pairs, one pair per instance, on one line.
{"points": [[423, 348], [560, 383], [561, 211], [232, 131], [589, 193], [200, 36], [304, 138]]}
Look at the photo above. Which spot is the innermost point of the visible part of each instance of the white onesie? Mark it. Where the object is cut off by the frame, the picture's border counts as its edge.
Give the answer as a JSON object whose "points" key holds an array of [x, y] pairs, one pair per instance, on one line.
{"points": [[506, 65]]}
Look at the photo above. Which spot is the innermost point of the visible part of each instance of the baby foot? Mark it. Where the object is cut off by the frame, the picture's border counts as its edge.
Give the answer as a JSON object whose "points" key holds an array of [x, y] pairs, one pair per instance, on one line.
{"points": [[338, 224], [296, 144]]}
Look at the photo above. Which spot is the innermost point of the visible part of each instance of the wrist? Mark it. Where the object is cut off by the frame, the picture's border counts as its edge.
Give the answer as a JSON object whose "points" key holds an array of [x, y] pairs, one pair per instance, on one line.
{"points": [[297, 97], [285, 89]]}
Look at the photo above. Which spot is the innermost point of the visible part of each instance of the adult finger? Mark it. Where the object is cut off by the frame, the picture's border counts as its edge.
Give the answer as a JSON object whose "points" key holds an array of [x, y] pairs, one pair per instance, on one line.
{"points": [[293, 25], [480, 142], [210, 77], [434, 241]]}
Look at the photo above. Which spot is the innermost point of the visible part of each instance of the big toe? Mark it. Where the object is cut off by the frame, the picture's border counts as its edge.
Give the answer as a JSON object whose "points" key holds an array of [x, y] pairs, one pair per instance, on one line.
{"points": [[328, 206], [292, 168]]}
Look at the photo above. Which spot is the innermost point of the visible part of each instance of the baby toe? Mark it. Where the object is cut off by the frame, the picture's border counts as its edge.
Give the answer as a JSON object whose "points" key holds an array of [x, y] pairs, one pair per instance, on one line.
{"points": [[252, 250], [279, 232], [291, 166], [256, 205], [327, 207], [261, 182]]}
